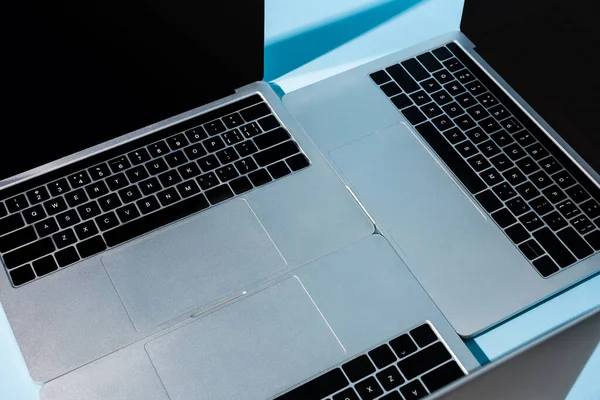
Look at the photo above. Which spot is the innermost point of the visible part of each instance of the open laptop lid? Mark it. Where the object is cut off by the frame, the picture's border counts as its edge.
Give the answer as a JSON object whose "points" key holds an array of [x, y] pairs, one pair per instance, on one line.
{"points": [[77, 73], [547, 50], [545, 369]]}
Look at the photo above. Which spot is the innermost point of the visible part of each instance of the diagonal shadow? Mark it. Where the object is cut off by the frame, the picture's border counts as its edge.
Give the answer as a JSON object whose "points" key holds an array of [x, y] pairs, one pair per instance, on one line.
{"points": [[290, 53]]}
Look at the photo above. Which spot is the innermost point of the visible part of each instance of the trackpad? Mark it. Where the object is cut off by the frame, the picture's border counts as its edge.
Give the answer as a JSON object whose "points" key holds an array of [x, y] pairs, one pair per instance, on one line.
{"points": [[405, 189], [252, 349], [192, 264]]}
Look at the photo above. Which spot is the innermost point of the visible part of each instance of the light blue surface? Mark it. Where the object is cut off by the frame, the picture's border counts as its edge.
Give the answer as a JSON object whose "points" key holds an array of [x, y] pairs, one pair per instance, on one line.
{"points": [[292, 29]]}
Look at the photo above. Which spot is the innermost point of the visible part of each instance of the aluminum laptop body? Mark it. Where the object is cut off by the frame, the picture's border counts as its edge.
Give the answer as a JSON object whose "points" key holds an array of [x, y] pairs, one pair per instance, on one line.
{"points": [[242, 299], [394, 131]]}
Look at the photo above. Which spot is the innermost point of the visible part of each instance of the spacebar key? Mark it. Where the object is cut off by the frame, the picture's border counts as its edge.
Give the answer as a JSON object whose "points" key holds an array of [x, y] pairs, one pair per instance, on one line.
{"points": [[155, 220], [451, 157]]}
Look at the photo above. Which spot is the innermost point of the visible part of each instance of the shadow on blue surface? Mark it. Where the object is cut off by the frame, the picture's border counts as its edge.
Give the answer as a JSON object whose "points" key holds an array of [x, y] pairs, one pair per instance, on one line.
{"points": [[290, 53]]}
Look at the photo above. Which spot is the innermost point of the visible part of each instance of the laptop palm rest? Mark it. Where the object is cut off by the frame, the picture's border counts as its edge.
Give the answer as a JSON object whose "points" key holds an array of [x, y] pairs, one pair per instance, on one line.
{"points": [[406, 190], [252, 349], [192, 264]]}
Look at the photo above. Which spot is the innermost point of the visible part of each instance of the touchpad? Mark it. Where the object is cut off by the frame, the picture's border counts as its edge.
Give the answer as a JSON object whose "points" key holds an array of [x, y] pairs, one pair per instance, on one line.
{"points": [[405, 189], [191, 264], [252, 349]]}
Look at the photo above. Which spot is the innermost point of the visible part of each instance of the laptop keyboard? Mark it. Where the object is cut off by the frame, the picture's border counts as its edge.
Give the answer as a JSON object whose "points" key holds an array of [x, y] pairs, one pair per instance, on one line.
{"points": [[410, 366], [60, 218], [546, 206]]}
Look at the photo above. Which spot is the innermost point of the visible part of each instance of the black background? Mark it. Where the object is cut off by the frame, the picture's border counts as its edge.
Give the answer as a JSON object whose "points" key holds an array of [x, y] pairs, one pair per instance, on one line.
{"points": [[549, 52], [77, 73]]}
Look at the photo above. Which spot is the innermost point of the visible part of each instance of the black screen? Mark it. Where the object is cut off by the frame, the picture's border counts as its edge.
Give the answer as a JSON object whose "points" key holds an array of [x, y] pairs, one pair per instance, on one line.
{"points": [[547, 50], [76, 73]]}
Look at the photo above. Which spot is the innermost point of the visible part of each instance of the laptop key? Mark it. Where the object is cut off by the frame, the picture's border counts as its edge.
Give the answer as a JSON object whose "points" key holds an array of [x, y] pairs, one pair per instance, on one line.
{"points": [[391, 89], [79, 179], [76, 197], [402, 101], [429, 62], [454, 135], [541, 206], [545, 266], [137, 174], [22, 275], [420, 98], [46, 227], [195, 134], [575, 243], [442, 376], [527, 165], [442, 122], [96, 189], [266, 124], [504, 218], [555, 221], [119, 181], [402, 78], [517, 233], [59, 187], [554, 247], [415, 68], [578, 194], [489, 201], [66, 256], [34, 214], [531, 249], [68, 218], [215, 127], [125, 214], [501, 162], [107, 221], [368, 389], [348, 394], [17, 239], [382, 356], [594, 239], [28, 253], [453, 65], [415, 116], [177, 142], [390, 378], [504, 191], [591, 208], [531, 221], [64, 238], [276, 153], [441, 97], [241, 185], [479, 163], [403, 345], [17, 203], [297, 162], [91, 247], [380, 77], [86, 230], [38, 195], [424, 360], [413, 390], [100, 171], [271, 138], [255, 112], [318, 388], [431, 85], [176, 159], [44, 266], [148, 204], [139, 156], [168, 197], [451, 157], [168, 178], [219, 194], [188, 188], [563, 179], [423, 335], [358, 368], [119, 164]]}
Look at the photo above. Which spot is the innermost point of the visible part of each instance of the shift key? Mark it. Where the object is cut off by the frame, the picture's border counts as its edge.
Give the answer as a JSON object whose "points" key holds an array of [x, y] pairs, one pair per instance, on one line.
{"points": [[28, 253]]}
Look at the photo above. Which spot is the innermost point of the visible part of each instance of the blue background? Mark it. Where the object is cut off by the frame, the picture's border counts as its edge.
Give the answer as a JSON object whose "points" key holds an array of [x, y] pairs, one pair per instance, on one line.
{"points": [[309, 40]]}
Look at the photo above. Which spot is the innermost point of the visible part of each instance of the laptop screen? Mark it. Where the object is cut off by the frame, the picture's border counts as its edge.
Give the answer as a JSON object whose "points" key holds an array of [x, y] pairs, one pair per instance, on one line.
{"points": [[547, 50], [77, 73]]}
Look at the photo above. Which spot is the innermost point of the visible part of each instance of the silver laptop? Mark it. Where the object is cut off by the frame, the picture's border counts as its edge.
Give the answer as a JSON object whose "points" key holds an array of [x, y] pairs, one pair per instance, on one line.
{"points": [[491, 208], [167, 230], [546, 368]]}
